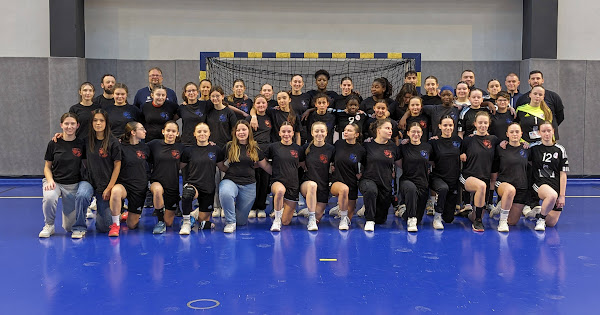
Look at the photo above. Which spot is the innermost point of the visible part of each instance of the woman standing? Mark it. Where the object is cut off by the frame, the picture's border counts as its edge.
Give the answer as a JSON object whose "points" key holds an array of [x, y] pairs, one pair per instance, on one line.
{"points": [[84, 109], [262, 136], [466, 121], [267, 91], [431, 87], [347, 88], [121, 112], [531, 116], [238, 102], [157, 112], [381, 90], [192, 112]]}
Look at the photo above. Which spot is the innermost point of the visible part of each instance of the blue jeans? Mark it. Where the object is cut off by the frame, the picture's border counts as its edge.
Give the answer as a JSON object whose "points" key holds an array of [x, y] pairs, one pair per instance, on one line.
{"points": [[50, 202], [236, 200], [103, 216], [83, 197]]}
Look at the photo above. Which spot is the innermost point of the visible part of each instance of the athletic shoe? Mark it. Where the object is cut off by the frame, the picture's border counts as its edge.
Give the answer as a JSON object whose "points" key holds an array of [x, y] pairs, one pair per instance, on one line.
{"points": [[276, 226], [114, 230], [527, 212], [344, 223], [124, 216], [222, 213], [229, 228], [93, 204], [192, 222], [400, 209], [495, 210], [361, 211], [125, 206], [295, 214], [216, 212], [47, 231], [477, 226], [540, 224], [89, 214], [502, 226], [412, 225], [77, 234], [159, 228], [304, 212], [489, 207], [430, 207], [252, 214], [536, 210], [206, 225], [370, 226], [312, 224], [272, 214], [261, 214], [437, 221], [186, 227], [335, 211]]}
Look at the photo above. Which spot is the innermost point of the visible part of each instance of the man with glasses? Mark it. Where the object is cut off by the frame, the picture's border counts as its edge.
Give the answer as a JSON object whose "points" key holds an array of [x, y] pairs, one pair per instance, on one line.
{"points": [[155, 78]]}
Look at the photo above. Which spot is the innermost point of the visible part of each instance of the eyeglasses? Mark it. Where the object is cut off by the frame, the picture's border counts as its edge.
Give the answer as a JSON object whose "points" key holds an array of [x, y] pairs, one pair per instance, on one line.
{"points": [[155, 75], [190, 91]]}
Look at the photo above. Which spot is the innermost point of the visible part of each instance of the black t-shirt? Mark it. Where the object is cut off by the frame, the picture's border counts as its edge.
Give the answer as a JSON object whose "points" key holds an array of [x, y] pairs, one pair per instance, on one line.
{"points": [[513, 162], [191, 115], [446, 158], [165, 164], [547, 162], [100, 164], [154, 118], [272, 103], [242, 172], [423, 121], [466, 122], [262, 135], [340, 102], [84, 117], [318, 161], [221, 122], [103, 102], [327, 118], [530, 124], [344, 119], [240, 103], [431, 100], [379, 162], [346, 162], [480, 155], [300, 103], [368, 104], [499, 126], [201, 165], [286, 159], [66, 157], [277, 118], [415, 163], [119, 116], [133, 166], [436, 112], [367, 129]]}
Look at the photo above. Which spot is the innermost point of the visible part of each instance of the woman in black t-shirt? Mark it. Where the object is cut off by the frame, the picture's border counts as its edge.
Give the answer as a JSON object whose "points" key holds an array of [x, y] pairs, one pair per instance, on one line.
{"points": [[121, 112], [348, 154], [237, 190], [157, 112], [381, 90], [286, 158], [416, 115], [238, 102], [267, 91], [347, 89], [84, 109], [165, 156], [133, 180], [201, 161], [477, 154], [380, 112], [192, 112], [376, 181], [431, 87], [285, 113]]}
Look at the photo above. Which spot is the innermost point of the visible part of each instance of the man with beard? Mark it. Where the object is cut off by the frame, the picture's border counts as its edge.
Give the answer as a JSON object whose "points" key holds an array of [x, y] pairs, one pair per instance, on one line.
{"points": [[155, 78], [106, 99]]}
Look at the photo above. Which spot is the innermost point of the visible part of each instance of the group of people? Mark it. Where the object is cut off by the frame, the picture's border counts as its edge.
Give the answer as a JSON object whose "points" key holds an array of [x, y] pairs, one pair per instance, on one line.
{"points": [[413, 152]]}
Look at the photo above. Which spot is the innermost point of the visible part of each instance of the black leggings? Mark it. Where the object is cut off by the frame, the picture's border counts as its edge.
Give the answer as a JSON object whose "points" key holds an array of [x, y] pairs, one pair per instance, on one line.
{"points": [[262, 188], [377, 200], [415, 200], [447, 197]]}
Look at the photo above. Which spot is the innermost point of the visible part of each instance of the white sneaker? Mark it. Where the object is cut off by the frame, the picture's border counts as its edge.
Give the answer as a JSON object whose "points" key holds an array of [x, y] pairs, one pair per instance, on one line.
{"points": [[495, 210], [312, 224], [503, 226], [93, 204], [412, 225], [370, 226], [295, 214], [344, 223], [229, 228], [194, 214], [437, 221], [77, 234], [89, 214], [216, 212], [335, 211], [430, 207], [526, 211], [400, 211], [540, 225], [535, 211], [276, 226], [261, 214], [361, 212], [252, 214], [272, 214], [47, 231], [222, 213], [304, 212], [186, 227]]}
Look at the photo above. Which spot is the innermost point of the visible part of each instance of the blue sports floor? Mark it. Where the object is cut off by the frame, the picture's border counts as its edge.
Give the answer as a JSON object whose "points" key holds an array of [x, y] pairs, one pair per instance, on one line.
{"points": [[300, 272]]}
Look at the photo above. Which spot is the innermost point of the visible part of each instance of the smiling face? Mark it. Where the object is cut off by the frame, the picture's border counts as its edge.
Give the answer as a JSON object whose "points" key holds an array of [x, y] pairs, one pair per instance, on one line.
{"points": [[170, 132], [155, 77], [502, 103], [482, 124], [297, 83], [494, 87], [241, 133], [191, 92], [512, 83], [69, 126], [462, 91], [346, 87], [159, 96], [216, 98], [267, 90], [260, 104], [414, 106], [286, 132], [202, 133], [468, 77], [380, 110], [536, 79], [431, 86], [447, 127], [283, 100], [205, 87], [319, 132], [86, 92], [415, 133], [352, 107]]}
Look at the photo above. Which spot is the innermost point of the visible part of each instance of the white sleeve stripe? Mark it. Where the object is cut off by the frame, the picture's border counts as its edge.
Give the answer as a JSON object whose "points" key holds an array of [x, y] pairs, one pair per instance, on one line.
{"points": [[562, 149], [565, 169]]}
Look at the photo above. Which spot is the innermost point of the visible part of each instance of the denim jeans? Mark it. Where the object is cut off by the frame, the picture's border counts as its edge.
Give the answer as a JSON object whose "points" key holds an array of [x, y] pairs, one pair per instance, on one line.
{"points": [[50, 202], [103, 216], [236, 200], [83, 197]]}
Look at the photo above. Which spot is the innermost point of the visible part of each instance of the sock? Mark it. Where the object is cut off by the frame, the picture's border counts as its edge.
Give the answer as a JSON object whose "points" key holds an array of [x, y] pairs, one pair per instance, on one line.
{"points": [[478, 212], [504, 214], [161, 214], [278, 214], [311, 215], [116, 219], [344, 213], [186, 217]]}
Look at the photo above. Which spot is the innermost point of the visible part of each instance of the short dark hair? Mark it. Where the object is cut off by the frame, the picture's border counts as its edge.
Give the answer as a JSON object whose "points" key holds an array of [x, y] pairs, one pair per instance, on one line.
{"points": [[536, 71], [107, 75], [410, 72], [467, 70], [322, 72]]}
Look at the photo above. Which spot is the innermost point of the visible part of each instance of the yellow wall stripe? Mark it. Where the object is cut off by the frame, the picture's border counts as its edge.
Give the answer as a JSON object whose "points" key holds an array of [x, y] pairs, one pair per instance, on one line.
{"points": [[394, 55], [202, 75], [419, 78], [311, 55], [226, 54], [338, 55], [282, 55], [254, 54]]}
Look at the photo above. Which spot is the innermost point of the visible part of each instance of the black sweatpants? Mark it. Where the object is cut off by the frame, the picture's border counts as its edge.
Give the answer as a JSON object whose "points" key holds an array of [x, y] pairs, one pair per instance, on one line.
{"points": [[447, 197], [262, 188], [415, 200], [377, 200]]}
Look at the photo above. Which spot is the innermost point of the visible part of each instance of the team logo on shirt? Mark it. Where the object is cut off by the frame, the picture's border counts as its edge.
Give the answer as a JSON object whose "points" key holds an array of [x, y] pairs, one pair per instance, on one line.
{"points": [[357, 117], [102, 153], [353, 158], [199, 113], [127, 115], [212, 156], [523, 153], [323, 158], [268, 123], [388, 154], [425, 154], [244, 107], [76, 152], [304, 104], [487, 143], [175, 154], [164, 116], [556, 155], [509, 121], [222, 118], [247, 153], [453, 115], [423, 124], [294, 153], [456, 144], [140, 154]]}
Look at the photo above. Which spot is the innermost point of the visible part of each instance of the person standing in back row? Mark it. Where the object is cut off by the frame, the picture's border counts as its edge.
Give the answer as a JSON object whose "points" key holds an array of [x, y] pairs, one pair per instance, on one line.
{"points": [[107, 97], [155, 78]]}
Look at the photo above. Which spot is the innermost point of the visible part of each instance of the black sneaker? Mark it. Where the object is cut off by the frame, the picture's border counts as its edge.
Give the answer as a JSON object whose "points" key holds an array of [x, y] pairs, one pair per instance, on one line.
{"points": [[477, 226]]}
